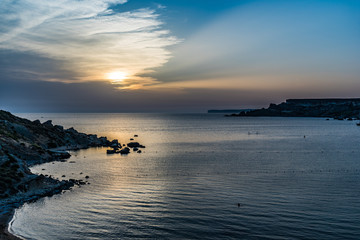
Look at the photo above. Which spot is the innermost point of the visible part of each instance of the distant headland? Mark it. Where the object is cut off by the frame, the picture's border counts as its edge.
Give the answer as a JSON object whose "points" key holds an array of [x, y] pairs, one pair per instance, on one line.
{"points": [[339, 108], [229, 110]]}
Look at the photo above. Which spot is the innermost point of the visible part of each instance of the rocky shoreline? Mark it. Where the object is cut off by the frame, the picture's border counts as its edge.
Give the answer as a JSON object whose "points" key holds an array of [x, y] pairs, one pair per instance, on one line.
{"points": [[24, 143]]}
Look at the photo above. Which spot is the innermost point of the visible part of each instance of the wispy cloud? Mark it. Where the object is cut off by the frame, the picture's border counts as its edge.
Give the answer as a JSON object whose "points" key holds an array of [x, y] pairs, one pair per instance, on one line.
{"points": [[88, 38]]}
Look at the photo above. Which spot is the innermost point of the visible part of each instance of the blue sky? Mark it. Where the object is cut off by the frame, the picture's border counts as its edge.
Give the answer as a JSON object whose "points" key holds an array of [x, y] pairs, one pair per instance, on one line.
{"points": [[87, 56], [185, 17]]}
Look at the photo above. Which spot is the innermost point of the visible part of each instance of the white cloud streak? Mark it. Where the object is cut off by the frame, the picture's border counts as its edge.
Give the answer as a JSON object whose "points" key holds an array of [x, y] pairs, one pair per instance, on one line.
{"points": [[88, 37]]}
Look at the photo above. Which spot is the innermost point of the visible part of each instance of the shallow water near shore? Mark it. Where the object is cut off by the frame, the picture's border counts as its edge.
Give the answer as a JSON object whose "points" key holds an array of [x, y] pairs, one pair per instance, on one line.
{"points": [[293, 177]]}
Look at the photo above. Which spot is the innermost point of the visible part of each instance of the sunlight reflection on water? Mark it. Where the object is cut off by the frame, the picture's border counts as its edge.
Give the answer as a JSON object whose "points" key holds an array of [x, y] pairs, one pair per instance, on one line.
{"points": [[194, 171]]}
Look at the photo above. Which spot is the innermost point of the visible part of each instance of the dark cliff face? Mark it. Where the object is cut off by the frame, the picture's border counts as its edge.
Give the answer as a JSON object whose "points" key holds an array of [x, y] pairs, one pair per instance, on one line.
{"points": [[336, 108], [323, 101], [24, 143]]}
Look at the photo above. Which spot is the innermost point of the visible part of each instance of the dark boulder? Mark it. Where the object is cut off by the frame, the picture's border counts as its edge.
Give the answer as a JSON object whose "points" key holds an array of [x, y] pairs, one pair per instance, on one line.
{"points": [[72, 130], [111, 151], [37, 122], [48, 123], [125, 150], [133, 144], [60, 128], [103, 141], [59, 154]]}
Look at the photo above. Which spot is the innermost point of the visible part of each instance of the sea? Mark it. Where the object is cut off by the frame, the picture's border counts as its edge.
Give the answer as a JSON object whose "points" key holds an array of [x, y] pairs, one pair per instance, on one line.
{"points": [[203, 176]]}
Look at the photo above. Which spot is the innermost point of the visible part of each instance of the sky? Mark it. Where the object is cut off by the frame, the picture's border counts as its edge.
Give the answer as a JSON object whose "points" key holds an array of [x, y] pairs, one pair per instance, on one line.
{"points": [[175, 56]]}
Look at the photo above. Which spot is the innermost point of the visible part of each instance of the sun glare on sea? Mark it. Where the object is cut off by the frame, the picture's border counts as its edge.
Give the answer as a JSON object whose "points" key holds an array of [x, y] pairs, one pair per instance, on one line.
{"points": [[116, 76]]}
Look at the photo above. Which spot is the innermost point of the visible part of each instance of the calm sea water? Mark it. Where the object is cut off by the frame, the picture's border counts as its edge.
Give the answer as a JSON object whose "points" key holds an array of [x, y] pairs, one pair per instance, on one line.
{"points": [[194, 171]]}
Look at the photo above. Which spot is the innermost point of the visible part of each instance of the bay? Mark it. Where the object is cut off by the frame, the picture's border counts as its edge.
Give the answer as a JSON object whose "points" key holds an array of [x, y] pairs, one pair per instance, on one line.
{"points": [[294, 178]]}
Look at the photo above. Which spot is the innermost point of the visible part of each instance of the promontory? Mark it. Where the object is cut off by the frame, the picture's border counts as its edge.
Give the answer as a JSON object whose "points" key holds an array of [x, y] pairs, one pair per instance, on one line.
{"points": [[24, 143], [339, 108]]}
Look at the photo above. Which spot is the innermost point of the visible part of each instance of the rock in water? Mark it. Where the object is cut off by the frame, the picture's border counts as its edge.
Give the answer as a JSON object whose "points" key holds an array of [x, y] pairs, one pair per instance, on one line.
{"points": [[125, 150], [133, 144], [111, 151]]}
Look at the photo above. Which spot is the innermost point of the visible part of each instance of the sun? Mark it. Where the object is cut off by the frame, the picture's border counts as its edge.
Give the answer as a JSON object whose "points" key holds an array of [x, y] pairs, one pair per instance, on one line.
{"points": [[116, 76]]}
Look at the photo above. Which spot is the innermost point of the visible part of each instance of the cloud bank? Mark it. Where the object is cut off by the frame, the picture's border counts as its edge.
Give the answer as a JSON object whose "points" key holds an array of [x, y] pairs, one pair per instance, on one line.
{"points": [[87, 39]]}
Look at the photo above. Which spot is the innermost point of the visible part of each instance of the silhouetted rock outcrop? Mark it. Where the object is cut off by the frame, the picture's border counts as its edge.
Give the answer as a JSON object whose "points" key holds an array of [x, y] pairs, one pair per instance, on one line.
{"points": [[24, 143], [125, 150], [335, 108], [135, 144]]}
